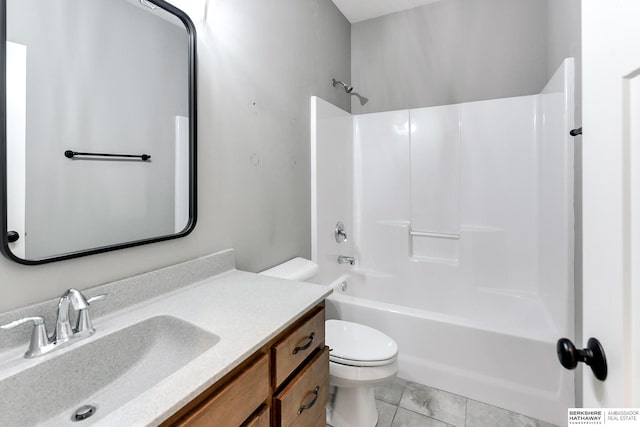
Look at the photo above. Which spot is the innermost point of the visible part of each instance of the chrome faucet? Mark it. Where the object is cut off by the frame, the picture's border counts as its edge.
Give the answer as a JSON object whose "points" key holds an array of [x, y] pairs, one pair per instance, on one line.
{"points": [[41, 343], [342, 259], [63, 330]]}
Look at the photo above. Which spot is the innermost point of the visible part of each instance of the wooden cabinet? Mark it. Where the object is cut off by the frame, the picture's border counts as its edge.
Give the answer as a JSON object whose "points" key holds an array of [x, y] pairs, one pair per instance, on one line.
{"points": [[305, 397], [284, 384], [235, 401], [289, 353]]}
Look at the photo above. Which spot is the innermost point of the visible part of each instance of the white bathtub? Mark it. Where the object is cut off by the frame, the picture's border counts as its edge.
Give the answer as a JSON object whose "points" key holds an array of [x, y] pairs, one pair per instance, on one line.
{"points": [[483, 352]]}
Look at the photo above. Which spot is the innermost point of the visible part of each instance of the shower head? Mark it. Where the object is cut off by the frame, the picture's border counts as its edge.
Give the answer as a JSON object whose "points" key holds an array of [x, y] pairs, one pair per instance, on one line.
{"points": [[349, 90], [363, 100], [346, 87]]}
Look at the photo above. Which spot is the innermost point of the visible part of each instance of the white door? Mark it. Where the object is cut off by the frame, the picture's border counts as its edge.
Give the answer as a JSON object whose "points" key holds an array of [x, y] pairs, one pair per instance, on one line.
{"points": [[611, 197]]}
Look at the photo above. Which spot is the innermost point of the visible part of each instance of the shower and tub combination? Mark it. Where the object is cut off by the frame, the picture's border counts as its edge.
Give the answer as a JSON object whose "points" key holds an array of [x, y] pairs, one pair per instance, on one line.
{"points": [[460, 221]]}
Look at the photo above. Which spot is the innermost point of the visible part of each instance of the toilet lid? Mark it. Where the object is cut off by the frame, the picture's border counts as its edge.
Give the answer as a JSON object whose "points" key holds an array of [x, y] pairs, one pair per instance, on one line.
{"points": [[355, 342]]}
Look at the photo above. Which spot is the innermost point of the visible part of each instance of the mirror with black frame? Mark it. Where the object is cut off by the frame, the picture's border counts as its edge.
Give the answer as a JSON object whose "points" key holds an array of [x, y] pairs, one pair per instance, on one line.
{"points": [[99, 137]]}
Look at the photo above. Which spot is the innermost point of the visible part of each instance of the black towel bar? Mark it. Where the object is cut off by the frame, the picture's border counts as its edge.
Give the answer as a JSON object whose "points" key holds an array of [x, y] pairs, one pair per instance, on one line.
{"points": [[71, 154]]}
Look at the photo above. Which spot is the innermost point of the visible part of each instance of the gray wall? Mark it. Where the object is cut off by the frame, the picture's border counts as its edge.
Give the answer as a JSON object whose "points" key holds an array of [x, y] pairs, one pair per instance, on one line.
{"points": [[259, 62], [94, 71], [450, 52]]}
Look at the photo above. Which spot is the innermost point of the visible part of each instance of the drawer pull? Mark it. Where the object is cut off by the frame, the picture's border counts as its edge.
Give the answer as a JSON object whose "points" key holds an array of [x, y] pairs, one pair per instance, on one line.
{"points": [[313, 401], [307, 345]]}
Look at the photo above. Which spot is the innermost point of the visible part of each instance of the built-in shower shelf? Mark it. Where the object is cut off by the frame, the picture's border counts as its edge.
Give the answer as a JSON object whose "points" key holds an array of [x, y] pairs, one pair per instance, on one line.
{"points": [[435, 235], [434, 247], [434, 260], [393, 223]]}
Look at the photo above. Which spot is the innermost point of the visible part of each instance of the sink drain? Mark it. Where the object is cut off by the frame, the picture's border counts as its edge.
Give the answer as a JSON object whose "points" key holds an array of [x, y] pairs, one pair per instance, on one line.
{"points": [[84, 412]]}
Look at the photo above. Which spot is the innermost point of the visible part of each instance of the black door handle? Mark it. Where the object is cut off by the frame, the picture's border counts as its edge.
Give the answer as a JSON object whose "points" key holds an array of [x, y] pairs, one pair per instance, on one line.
{"points": [[593, 356], [12, 236]]}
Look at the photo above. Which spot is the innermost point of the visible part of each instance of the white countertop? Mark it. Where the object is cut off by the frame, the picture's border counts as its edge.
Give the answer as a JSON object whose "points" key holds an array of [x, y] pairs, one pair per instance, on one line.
{"points": [[245, 310]]}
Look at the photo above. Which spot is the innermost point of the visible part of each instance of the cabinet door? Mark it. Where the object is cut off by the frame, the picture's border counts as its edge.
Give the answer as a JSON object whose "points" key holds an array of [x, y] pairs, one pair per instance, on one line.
{"points": [[294, 349], [235, 402], [304, 400]]}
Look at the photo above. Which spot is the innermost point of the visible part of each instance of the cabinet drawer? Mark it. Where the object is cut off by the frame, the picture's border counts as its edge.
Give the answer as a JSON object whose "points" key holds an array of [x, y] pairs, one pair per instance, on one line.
{"points": [[236, 401], [263, 419], [303, 401], [292, 350]]}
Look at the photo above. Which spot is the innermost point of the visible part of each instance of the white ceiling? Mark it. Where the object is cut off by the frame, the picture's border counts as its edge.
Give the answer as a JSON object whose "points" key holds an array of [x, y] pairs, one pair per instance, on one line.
{"points": [[361, 10]]}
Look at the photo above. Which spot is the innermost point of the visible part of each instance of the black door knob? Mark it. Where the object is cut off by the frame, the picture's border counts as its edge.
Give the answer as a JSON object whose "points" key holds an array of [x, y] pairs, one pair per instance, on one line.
{"points": [[593, 356], [12, 236]]}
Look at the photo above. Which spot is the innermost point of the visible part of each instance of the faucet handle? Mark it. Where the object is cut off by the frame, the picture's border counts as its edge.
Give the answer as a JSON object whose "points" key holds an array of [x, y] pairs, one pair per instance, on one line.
{"points": [[39, 339], [37, 320], [97, 298], [340, 233], [84, 323]]}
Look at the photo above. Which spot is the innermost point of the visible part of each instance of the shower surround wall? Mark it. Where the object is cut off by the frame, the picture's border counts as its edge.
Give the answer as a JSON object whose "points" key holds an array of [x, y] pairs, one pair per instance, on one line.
{"points": [[463, 240], [331, 170]]}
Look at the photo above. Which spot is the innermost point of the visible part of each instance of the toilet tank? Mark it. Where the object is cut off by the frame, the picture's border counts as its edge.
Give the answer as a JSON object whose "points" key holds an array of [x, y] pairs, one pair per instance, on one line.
{"points": [[299, 269]]}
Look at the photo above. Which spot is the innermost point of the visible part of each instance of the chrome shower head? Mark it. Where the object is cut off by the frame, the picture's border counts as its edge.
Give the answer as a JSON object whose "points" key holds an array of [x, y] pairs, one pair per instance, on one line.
{"points": [[363, 100], [346, 87]]}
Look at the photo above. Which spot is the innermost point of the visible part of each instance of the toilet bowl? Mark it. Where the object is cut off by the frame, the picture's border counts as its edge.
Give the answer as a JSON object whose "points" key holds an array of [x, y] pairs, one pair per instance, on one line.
{"points": [[360, 358]]}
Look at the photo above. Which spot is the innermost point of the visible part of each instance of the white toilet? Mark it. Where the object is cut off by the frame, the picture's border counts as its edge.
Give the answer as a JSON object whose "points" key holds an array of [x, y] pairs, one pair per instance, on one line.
{"points": [[361, 358]]}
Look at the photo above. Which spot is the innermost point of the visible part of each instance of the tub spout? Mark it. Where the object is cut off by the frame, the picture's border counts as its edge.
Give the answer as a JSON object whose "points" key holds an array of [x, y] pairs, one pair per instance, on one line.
{"points": [[346, 260]]}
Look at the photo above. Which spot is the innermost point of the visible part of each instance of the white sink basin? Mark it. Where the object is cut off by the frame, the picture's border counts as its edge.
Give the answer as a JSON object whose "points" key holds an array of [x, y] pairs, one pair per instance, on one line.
{"points": [[105, 372]]}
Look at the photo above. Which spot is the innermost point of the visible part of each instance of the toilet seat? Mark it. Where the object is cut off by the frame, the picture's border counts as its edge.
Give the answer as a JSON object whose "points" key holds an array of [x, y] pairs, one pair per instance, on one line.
{"points": [[353, 344], [360, 363], [361, 358]]}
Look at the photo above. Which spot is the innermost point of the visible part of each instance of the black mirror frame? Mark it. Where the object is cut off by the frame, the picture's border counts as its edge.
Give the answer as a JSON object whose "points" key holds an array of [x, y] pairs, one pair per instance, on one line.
{"points": [[4, 238]]}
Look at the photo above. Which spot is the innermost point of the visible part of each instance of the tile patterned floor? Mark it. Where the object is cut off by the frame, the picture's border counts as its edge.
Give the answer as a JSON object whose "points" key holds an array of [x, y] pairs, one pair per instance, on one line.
{"points": [[406, 404]]}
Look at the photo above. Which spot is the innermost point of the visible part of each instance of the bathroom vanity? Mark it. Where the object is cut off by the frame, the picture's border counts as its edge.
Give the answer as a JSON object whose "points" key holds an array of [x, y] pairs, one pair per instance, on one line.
{"points": [[195, 344], [285, 383]]}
